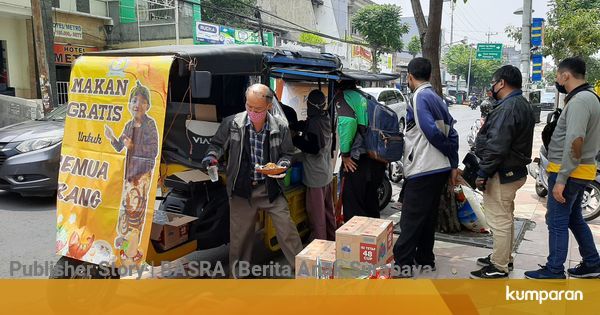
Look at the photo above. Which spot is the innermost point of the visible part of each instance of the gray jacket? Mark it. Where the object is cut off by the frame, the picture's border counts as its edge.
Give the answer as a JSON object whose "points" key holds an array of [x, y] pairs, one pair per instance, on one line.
{"points": [[579, 119], [230, 139]]}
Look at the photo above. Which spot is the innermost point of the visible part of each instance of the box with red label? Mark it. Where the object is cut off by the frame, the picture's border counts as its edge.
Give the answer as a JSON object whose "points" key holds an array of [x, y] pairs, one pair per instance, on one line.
{"points": [[172, 233], [316, 260], [364, 242]]}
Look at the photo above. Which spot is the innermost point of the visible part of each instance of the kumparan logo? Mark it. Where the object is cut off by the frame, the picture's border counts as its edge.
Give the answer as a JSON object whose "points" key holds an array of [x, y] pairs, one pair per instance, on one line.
{"points": [[543, 295]]}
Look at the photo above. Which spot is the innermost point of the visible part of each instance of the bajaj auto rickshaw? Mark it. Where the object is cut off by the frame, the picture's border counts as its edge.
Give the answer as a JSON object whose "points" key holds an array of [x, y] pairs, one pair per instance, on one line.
{"points": [[141, 119]]}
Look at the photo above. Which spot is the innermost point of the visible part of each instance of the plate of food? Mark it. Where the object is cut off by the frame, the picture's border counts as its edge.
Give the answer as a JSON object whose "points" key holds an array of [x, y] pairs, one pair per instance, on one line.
{"points": [[270, 169]]}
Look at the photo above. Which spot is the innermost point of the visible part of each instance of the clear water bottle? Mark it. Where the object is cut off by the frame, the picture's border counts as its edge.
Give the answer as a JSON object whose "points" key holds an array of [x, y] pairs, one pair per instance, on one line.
{"points": [[213, 173], [160, 217]]}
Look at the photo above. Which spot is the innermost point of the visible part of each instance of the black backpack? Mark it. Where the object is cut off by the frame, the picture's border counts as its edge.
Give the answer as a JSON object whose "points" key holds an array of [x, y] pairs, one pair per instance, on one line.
{"points": [[549, 128]]}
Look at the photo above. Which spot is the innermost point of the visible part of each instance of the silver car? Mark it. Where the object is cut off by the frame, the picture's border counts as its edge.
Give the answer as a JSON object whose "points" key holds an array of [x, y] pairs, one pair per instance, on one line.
{"points": [[394, 99], [30, 155]]}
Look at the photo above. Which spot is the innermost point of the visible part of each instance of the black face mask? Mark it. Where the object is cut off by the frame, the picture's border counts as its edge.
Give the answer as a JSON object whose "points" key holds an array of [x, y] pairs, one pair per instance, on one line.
{"points": [[495, 93], [560, 88]]}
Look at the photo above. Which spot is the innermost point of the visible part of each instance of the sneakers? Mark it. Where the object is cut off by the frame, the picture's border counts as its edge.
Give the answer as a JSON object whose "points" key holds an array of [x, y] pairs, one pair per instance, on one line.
{"points": [[422, 267], [489, 272], [544, 274], [584, 272], [487, 261]]}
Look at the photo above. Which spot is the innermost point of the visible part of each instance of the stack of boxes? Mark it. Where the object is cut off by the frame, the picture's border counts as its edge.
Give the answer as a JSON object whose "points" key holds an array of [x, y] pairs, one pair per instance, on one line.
{"points": [[362, 245]]}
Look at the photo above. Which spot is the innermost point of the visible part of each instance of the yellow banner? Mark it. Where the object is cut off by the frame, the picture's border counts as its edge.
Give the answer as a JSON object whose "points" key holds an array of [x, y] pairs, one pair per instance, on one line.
{"points": [[110, 158], [299, 297]]}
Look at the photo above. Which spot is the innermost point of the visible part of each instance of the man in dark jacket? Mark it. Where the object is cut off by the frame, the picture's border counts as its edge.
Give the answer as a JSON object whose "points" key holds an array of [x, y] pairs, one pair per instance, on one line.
{"points": [[254, 137], [504, 147]]}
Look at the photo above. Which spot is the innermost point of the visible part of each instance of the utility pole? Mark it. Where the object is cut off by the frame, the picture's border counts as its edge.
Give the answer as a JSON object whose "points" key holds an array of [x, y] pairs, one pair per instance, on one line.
{"points": [[43, 33], [260, 25], [469, 73], [177, 22], [526, 42], [488, 34], [452, 4]]}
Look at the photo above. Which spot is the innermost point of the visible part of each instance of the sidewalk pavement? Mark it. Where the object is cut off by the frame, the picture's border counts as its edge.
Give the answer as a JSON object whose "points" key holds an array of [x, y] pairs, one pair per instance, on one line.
{"points": [[457, 261]]}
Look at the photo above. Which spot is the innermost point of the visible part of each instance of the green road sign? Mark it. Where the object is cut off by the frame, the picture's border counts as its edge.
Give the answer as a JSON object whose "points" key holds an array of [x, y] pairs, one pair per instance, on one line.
{"points": [[489, 52]]}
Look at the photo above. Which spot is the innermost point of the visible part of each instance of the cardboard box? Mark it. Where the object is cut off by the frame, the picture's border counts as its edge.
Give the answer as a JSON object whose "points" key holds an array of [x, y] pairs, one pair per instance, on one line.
{"points": [[364, 242], [193, 176], [205, 112], [306, 260], [173, 233]]}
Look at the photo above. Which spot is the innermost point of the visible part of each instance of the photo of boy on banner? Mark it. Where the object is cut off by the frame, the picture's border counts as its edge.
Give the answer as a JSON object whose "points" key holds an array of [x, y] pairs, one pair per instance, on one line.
{"points": [[140, 138]]}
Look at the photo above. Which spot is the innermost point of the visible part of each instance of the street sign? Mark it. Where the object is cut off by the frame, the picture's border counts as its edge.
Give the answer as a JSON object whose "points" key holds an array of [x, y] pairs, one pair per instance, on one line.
{"points": [[536, 31], [536, 70], [489, 52]]}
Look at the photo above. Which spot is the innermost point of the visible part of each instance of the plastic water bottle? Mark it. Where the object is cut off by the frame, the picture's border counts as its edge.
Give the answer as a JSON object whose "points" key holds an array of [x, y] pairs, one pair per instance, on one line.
{"points": [[160, 217], [213, 173]]}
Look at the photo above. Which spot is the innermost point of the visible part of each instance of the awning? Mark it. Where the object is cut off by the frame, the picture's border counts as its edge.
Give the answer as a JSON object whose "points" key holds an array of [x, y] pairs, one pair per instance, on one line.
{"points": [[295, 74], [357, 75]]}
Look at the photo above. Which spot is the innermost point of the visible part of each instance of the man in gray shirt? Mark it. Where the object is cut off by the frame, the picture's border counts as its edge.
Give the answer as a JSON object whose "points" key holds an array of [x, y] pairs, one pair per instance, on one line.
{"points": [[571, 153]]}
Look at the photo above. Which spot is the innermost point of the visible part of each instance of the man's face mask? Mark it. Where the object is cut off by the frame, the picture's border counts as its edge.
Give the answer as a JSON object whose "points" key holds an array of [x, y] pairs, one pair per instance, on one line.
{"points": [[494, 91], [560, 87]]}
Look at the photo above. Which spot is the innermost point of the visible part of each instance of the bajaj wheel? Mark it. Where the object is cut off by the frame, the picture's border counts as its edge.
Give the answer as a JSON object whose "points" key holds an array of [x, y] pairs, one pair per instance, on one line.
{"points": [[591, 202], [69, 268], [80, 300], [384, 194], [540, 190]]}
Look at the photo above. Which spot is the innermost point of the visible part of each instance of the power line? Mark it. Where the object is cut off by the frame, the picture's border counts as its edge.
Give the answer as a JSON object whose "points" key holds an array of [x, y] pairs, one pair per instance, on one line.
{"points": [[471, 9], [489, 34], [270, 14]]}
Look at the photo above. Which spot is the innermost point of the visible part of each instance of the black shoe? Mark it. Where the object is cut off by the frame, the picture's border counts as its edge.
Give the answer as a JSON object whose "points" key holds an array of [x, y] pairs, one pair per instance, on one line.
{"points": [[487, 261], [403, 272], [489, 272], [425, 267], [584, 272]]}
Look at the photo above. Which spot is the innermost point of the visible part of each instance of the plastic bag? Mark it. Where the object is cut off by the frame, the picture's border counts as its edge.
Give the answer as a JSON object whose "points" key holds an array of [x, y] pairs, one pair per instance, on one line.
{"points": [[277, 111], [470, 212]]}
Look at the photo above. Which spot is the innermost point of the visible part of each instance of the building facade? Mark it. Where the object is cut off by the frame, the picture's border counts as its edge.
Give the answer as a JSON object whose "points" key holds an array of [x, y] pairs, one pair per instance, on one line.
{"points": [[79, 26]]}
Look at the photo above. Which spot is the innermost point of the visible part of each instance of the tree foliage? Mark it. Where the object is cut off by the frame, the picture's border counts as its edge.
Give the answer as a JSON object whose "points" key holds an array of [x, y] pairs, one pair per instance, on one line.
{"points": [[312, 39], [515, 33], [212, 14], [381, 28], [457, 60], [414, 46], [572, 29]]}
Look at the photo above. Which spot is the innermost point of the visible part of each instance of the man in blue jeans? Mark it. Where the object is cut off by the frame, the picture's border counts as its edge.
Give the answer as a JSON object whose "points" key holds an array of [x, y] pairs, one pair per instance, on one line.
{"points": [[572, 155]]}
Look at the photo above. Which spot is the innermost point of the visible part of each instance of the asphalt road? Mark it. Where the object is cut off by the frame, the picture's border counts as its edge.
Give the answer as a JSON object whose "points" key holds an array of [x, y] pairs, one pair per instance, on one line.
{"points": [[465, 117], [28, 225], [27, 231]]}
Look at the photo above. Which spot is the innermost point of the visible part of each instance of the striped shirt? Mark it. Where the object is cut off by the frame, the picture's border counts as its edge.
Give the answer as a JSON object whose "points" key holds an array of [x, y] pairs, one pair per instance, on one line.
{"points": [[257, 152]]}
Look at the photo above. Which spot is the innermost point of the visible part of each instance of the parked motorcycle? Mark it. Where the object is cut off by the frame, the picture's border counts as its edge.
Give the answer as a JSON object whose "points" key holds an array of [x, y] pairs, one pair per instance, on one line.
{"points": [[384, 193], [474, 131], [395, 172], [591, 197]]}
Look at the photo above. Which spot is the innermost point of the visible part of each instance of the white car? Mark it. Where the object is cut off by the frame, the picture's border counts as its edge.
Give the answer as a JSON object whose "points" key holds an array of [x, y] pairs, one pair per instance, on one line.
{"points": [[392, 98]]}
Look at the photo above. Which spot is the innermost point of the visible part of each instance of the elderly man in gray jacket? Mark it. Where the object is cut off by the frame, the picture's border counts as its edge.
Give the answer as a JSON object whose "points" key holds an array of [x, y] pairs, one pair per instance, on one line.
{"points": [[249, 138]]}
